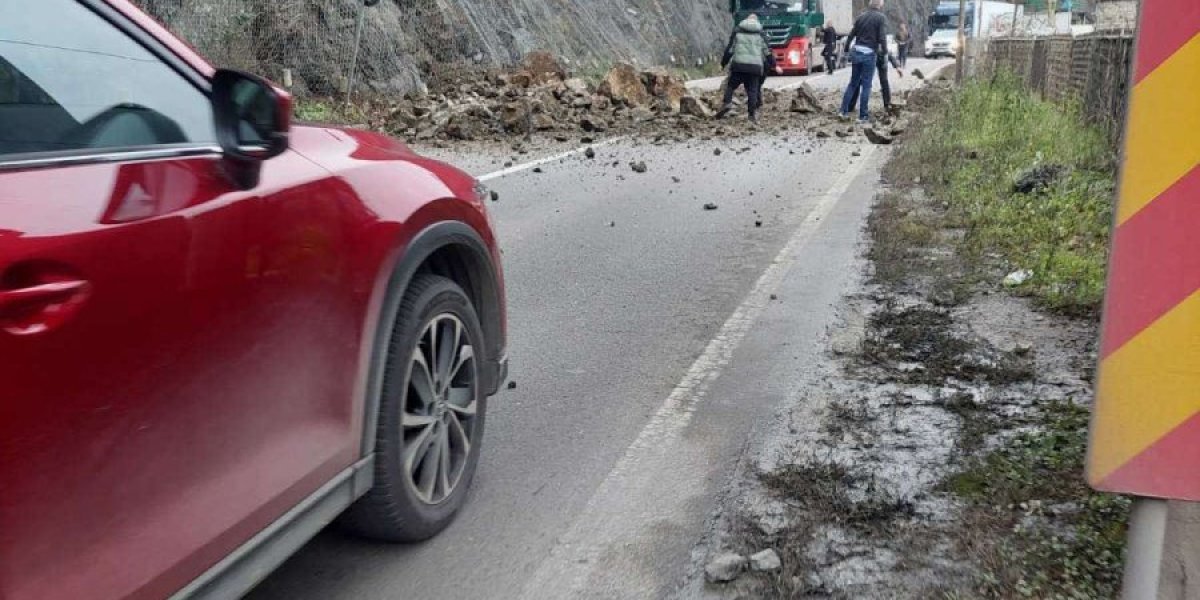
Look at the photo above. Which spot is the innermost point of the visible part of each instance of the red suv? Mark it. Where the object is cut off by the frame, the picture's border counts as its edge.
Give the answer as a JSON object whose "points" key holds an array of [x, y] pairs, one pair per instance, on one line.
{"points": [[218, 331]]}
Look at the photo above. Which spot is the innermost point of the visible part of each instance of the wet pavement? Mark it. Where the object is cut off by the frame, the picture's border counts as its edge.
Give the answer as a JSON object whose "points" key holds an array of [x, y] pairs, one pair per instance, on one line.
{"points": [[648, 336]]}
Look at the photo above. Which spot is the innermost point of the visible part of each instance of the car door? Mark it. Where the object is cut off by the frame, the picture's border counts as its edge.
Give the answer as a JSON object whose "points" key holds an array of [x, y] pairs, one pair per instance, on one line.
{"points": [[177, 355]]}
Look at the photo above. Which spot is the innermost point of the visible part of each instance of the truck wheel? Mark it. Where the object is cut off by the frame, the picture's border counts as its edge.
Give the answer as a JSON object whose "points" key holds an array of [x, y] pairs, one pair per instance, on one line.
{"points": [[431, 416]]}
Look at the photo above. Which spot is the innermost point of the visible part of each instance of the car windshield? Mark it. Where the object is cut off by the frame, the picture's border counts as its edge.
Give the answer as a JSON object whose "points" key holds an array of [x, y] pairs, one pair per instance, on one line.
{"points": [[770, 6]]}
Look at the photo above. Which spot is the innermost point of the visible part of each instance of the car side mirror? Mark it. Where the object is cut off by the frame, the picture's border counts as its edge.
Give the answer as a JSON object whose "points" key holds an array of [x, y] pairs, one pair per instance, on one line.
{"points": [[252, 118]]}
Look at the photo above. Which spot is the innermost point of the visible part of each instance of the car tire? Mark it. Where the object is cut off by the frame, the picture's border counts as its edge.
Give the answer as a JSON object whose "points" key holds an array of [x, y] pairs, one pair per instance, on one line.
{"points": [[416, 493]]}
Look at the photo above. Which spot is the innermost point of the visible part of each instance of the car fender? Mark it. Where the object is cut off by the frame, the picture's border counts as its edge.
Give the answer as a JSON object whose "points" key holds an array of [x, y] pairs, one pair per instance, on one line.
{"points": [[398, 274]]}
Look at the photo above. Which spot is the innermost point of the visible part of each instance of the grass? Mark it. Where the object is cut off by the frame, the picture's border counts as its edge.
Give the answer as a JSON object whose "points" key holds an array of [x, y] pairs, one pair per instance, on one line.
{"points": [[972, 149], [1077, 552], [330, 110], [826, 491]]}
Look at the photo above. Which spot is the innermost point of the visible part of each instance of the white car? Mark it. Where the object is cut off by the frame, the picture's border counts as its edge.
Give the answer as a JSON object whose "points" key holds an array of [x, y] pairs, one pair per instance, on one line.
{"points": [[943, 42]]}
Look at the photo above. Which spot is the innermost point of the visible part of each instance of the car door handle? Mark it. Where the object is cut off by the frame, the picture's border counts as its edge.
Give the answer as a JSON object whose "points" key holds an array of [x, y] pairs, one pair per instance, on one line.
{"points": [[38, 308], [39, 295]]}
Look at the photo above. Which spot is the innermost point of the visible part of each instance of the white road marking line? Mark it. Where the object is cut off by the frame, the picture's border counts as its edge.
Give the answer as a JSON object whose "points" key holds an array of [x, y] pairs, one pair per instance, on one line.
{"points": [[549, 159], [655, 478]]}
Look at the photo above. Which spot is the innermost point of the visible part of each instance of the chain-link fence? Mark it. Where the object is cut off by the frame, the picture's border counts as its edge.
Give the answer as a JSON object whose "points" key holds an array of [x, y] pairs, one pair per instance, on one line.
{"points": [[325, 47], [1090, 69], [319, 47]]}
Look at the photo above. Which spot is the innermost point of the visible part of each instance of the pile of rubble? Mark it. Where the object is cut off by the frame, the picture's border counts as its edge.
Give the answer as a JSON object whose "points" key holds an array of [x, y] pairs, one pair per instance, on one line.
{"points": [[541, 98]]}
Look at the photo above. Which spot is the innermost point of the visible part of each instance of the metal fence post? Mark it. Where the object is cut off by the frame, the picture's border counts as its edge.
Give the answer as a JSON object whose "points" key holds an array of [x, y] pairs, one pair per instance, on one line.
{"points": [[1144, 549], [358, 31]]}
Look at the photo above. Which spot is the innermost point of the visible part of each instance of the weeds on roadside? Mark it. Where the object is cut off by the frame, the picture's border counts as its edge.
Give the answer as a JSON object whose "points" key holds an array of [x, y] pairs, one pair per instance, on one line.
{"points": [[329, 110], [970, 152], [1075, 555]]}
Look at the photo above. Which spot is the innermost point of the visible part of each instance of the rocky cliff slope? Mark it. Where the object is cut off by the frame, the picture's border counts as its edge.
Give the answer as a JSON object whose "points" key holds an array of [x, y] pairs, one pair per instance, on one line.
{"points": [[404, 42]]}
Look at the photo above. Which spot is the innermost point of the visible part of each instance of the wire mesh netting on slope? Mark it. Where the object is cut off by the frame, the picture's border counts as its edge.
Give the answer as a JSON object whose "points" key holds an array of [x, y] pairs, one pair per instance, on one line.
{"points": [[397, 45]]}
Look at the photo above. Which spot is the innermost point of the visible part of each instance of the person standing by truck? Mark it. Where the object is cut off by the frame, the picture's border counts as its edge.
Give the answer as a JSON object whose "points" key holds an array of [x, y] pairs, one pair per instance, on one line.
{"points": [[748, 57], [829, 51], [885, 89], [866, 42], [903, 44]]}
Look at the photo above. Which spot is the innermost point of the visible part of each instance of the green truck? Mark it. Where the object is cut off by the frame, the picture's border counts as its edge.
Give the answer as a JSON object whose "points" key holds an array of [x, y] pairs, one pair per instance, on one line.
{"points": [[791, 29]]}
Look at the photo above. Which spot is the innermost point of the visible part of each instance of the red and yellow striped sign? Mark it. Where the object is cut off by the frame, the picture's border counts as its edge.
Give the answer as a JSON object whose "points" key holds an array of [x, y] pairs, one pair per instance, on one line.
{"points": [[1146, 428]]}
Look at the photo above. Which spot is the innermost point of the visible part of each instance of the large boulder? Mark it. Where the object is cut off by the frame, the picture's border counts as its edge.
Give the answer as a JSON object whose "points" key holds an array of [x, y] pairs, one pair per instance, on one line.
{"points": [[516, 116], [623, 84], [805, 101], [664, 86], [543, 67], [691, 105], [577, 86]]}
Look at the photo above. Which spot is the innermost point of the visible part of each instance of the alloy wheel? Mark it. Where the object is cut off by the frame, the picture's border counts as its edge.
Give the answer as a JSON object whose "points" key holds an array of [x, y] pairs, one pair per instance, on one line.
{"points": [[438, 419]]}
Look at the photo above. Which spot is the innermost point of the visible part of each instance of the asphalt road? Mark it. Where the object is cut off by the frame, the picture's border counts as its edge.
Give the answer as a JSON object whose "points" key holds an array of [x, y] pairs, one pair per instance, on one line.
{"points": [[648, 337]]}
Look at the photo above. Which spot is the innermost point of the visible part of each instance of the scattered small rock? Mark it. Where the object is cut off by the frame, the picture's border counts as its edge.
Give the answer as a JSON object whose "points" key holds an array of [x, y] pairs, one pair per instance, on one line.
{"points": [[538, 170], [690, 105], [766, 561], [590, 153], [1038, 178], [758, 223], [716, 151], [1017, 278], [918, 74], [512, 385], [495, 196], [638, 166], [805, 100], [710, 206], [856, 153], [725, 568], [876, 137], [815, 585]]}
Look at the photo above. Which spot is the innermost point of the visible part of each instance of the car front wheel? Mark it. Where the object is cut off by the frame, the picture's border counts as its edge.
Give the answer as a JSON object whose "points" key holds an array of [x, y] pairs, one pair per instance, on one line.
{"points": [[431, 416]]}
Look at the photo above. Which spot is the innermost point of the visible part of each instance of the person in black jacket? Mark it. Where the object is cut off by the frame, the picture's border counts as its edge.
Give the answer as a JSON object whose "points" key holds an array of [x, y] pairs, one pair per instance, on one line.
{"points": [[829, 52], [881, 65], [866, 42]]}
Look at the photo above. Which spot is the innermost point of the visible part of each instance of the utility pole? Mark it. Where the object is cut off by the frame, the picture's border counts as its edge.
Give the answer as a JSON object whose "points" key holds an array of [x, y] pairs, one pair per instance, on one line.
{"points": [[1012, 31], [962, 41]]}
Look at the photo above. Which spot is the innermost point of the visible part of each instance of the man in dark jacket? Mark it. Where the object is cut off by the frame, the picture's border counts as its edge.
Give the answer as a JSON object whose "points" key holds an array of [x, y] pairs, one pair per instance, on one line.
{"points": [[748, 57], [866, 42], [881, 65], [829, 52]]}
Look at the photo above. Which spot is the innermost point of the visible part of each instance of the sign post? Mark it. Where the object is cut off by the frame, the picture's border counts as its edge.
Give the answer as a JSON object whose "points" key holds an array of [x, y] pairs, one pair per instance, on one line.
{"points": [[1145, 434], [962, 42]]}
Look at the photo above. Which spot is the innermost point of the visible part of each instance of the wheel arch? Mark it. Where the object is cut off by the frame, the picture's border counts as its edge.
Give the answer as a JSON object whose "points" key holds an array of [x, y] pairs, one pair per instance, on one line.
{"points": [[454, 250]]}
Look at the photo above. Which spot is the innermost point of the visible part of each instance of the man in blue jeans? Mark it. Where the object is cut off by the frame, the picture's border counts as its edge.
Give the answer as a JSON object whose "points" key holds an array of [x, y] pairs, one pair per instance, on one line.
{"points": [[867, 41]]}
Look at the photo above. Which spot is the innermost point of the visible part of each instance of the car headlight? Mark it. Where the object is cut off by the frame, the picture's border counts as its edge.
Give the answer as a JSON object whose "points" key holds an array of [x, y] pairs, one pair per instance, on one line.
{"points": [[794, 56]]}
